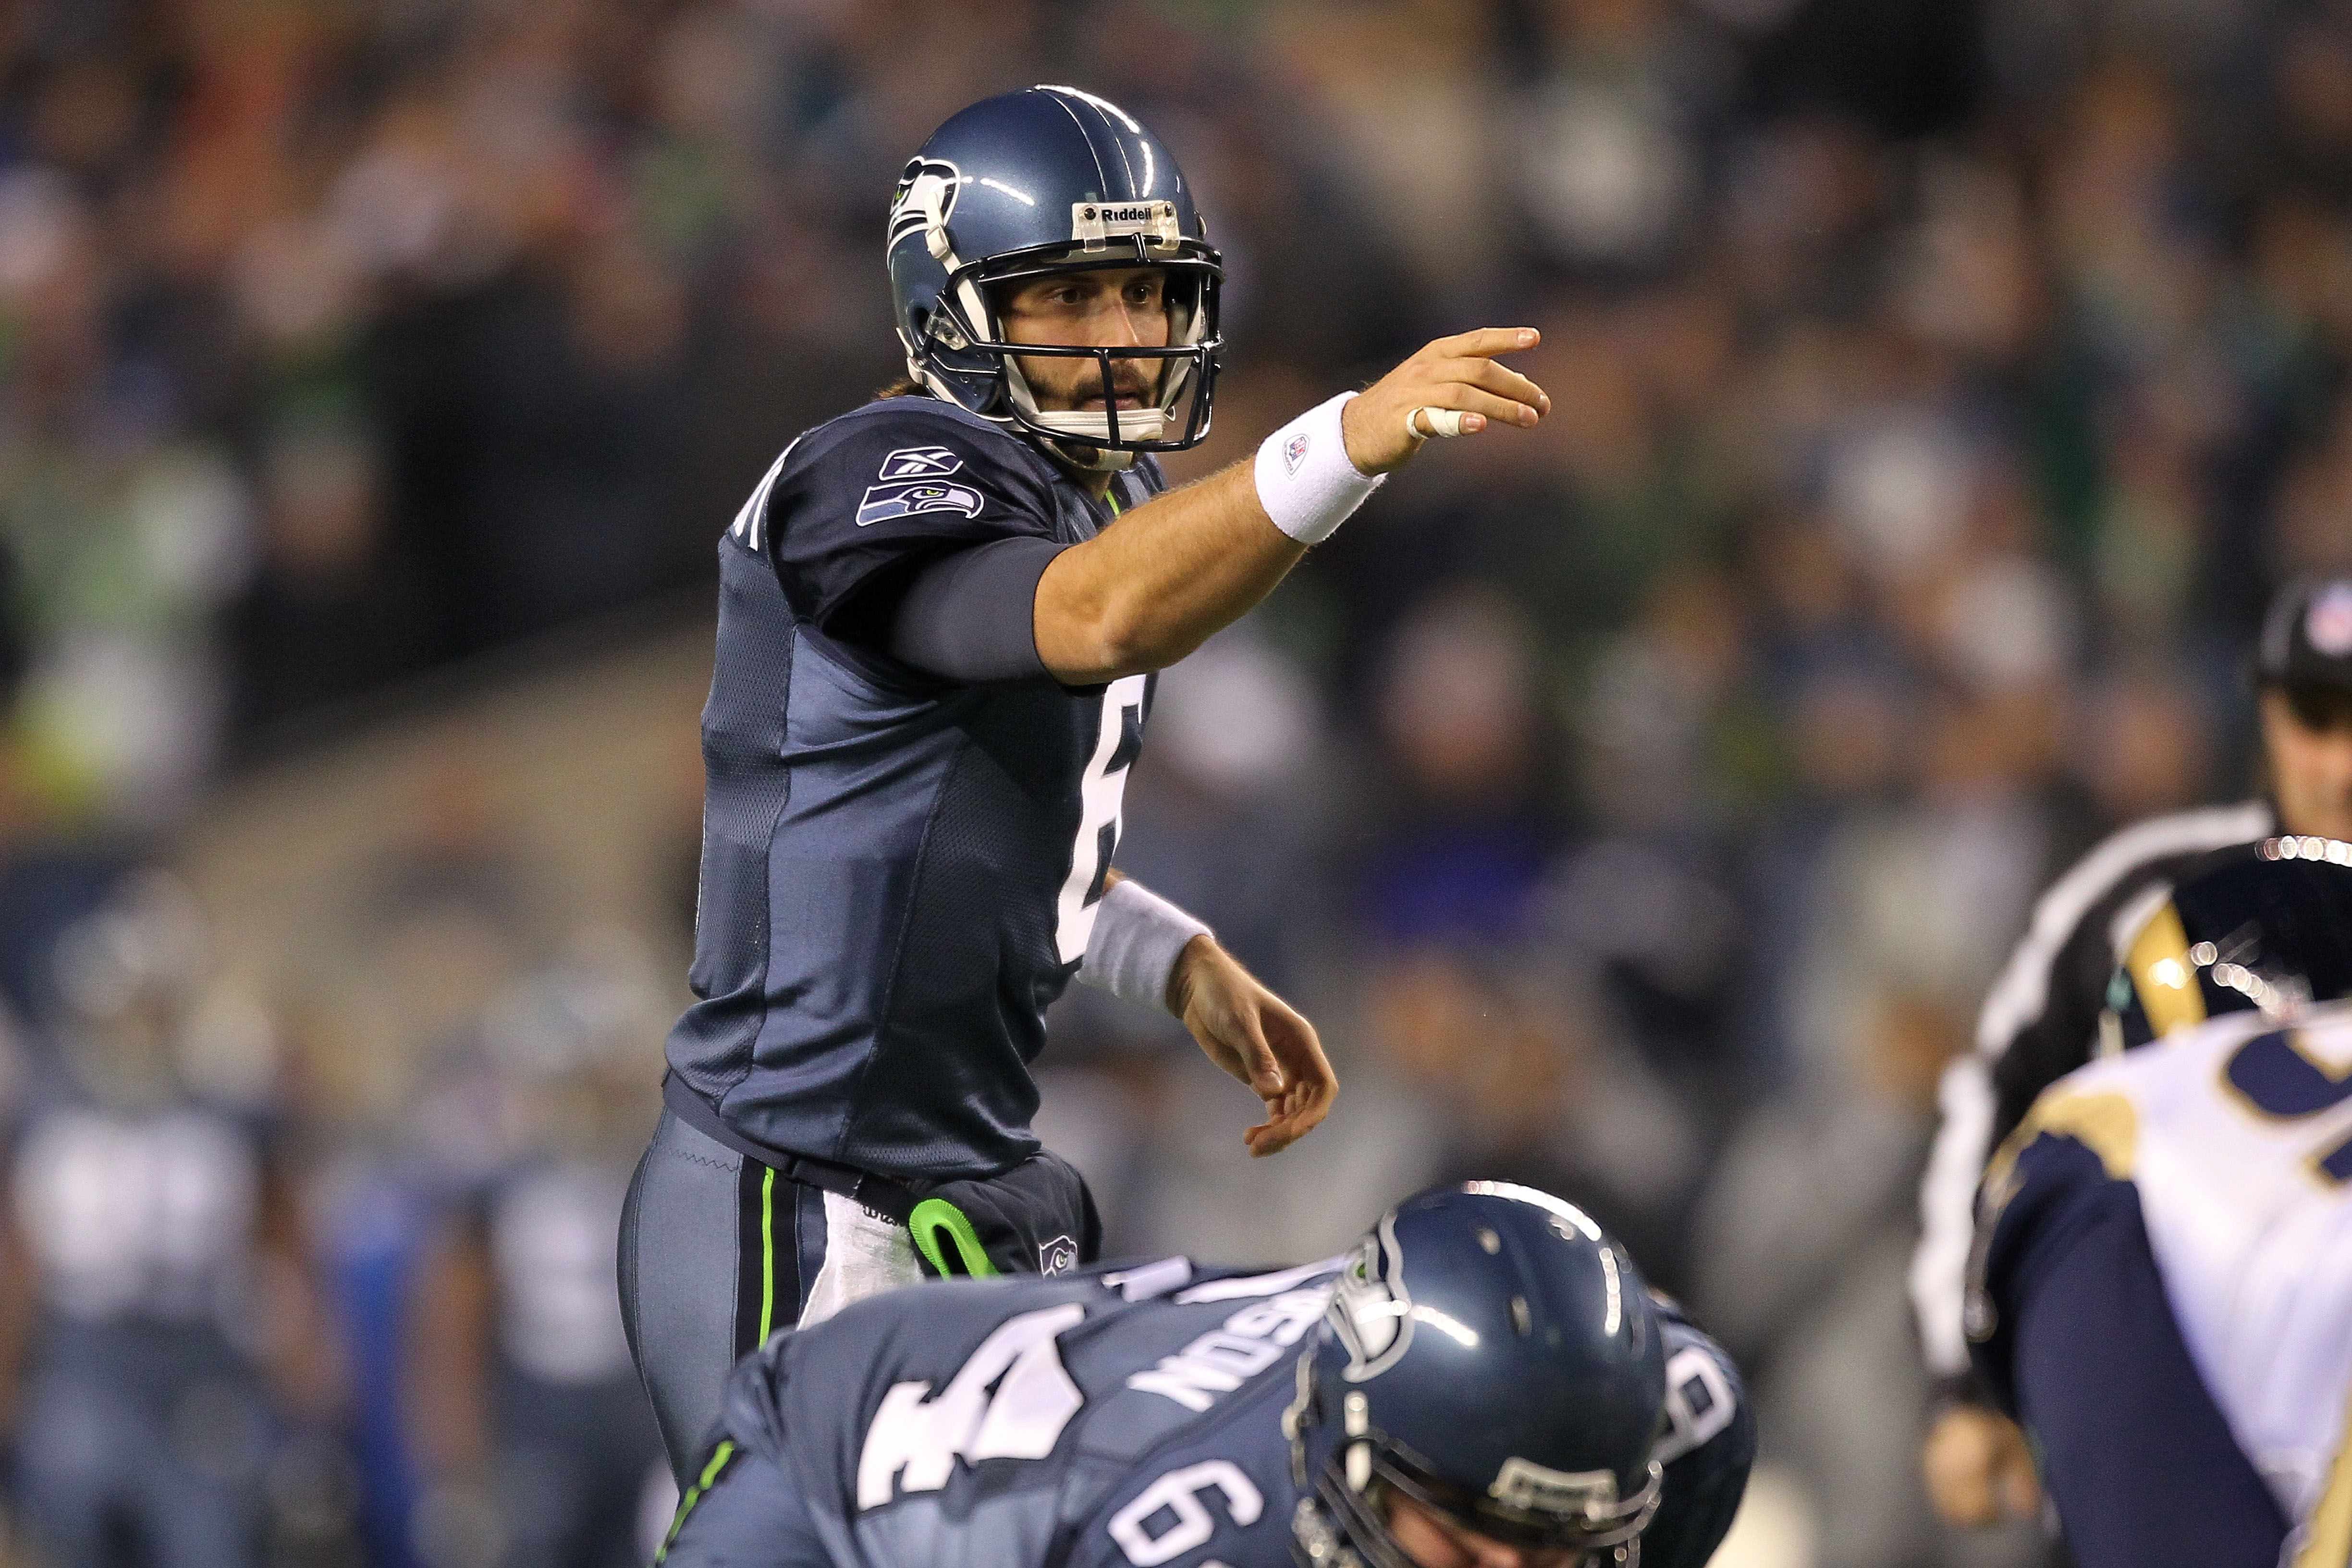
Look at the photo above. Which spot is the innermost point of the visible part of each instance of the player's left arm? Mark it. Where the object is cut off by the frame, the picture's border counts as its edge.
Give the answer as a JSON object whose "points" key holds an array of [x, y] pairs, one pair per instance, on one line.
{"points": [[1258, 1037], [1146, 950]]}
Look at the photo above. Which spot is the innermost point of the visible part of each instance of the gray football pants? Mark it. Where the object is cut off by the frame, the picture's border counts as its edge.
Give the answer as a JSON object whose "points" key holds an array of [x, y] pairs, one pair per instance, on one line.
{"points": [[718, 1252]]}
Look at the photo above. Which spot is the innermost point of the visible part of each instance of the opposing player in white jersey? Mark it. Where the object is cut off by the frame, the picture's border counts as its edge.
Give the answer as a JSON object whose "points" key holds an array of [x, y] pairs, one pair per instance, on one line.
{"points": [[2162, 1290], [2041, 1019]]}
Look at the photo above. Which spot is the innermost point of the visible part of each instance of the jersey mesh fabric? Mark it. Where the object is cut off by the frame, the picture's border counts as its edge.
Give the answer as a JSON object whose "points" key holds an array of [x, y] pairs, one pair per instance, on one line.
{"points": [[883, 851]]}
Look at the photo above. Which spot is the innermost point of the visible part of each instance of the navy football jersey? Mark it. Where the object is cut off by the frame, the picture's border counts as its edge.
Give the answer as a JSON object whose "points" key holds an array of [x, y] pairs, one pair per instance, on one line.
{"points": [[900, 873], [1128, 1419]]}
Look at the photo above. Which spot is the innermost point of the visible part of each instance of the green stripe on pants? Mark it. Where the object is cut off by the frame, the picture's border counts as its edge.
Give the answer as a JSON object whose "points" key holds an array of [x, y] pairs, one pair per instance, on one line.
{"points": [[718, 1457]]}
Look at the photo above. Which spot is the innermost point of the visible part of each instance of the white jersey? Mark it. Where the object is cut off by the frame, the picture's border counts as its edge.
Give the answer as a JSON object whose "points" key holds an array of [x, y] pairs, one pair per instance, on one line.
{"points": [[2238, 1134], [129, 1216], [551, 1229]]}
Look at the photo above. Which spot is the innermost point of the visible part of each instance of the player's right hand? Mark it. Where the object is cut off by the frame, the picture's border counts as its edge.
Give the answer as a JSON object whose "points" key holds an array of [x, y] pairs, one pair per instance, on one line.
{"points": [[1978, 1469], [1457, 374]]}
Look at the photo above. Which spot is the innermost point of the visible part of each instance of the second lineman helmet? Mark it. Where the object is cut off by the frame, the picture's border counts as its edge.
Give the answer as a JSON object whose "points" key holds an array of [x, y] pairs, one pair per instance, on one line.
{"points": [[2264, 926], [1491, 1354], [1042, 181]]}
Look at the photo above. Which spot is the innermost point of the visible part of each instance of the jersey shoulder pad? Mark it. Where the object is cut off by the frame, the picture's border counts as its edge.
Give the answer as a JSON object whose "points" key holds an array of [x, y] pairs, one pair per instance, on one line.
{"points": [[1188, 1283], [860, 500], [902, 458]]}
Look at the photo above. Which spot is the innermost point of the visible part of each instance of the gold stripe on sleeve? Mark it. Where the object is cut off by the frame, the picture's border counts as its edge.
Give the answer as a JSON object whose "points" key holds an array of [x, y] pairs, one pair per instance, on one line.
{"points": [[2159, 967], [2327, 1533]]}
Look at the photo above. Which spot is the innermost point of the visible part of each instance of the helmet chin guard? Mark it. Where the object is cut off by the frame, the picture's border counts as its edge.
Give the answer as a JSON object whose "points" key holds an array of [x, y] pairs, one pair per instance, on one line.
{"points": [[1344, 1523], [1036, 183], [1490, 1355]]}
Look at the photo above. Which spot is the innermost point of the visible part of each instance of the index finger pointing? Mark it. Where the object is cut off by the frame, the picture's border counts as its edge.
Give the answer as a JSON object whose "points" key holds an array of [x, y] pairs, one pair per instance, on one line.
{"points": [[1487, 342]]}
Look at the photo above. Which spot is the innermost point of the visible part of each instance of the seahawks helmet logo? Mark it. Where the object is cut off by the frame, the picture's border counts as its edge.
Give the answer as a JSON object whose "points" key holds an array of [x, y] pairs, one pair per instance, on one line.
{"points": [[1370, 1310], [924, 199]]}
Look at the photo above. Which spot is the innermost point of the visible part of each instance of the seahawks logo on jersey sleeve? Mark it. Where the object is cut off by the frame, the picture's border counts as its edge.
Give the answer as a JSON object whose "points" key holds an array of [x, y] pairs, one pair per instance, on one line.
{"points": [[906, 498], [914, 479]]}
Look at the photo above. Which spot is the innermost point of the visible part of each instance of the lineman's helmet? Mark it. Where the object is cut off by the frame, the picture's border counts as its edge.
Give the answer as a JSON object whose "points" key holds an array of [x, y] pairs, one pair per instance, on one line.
{"points": [[1051, 180], [2263, 926], [1491, 1354]]}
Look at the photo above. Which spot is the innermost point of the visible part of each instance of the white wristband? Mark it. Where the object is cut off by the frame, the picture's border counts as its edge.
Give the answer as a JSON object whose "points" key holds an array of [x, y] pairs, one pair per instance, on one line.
{"points": [[1138, 938], [1305, 480]]}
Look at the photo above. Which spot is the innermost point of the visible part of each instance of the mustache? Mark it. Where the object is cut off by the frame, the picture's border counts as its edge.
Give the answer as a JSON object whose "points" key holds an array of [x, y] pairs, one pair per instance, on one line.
{"points": [[1135, 382]]}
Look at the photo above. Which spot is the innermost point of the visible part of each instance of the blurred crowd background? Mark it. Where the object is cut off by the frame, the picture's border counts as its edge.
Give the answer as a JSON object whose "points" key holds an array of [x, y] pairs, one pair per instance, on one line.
{"points": [[1642, 805]]}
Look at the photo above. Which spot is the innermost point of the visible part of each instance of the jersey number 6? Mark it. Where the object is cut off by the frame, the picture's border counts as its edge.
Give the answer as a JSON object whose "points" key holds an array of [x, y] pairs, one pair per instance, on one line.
{"points": [[1177, 1495], [1101, 792]]}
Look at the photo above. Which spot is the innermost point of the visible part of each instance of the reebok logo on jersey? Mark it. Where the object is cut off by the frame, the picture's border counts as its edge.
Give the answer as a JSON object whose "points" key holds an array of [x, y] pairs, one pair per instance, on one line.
{"points": [[1294, 451], [919, 463], [908, 497]]}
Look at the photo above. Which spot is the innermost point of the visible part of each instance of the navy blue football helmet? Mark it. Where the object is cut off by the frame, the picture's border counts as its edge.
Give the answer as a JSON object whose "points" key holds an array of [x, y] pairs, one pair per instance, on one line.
{"points": [[1052, 180], [2264, 926], [1492, 1354]]}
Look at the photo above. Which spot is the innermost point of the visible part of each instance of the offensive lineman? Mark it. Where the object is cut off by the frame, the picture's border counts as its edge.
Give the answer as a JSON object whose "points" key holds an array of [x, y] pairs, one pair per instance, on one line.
{"points": [[1482, 1383], [2041, 1019], [938, 615], [2162, 1292]]}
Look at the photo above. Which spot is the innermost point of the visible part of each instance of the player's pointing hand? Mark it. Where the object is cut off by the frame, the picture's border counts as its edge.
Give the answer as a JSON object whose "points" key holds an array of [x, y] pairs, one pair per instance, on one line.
{"points": [[1256, 1036], [1452, 386]]}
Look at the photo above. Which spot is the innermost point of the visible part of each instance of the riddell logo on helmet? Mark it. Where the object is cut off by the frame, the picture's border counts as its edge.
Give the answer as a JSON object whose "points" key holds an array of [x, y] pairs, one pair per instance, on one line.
{"points": [[1095, 222]]}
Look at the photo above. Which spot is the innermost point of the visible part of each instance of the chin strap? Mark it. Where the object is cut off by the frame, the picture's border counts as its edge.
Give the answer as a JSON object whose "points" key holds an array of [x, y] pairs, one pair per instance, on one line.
{"points": [[1092, 459], [1070, 432], [1069, 450]]}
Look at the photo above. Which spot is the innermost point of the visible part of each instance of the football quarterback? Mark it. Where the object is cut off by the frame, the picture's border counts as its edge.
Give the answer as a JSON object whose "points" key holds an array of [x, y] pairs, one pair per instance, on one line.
{"points": [[939, 617]]}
